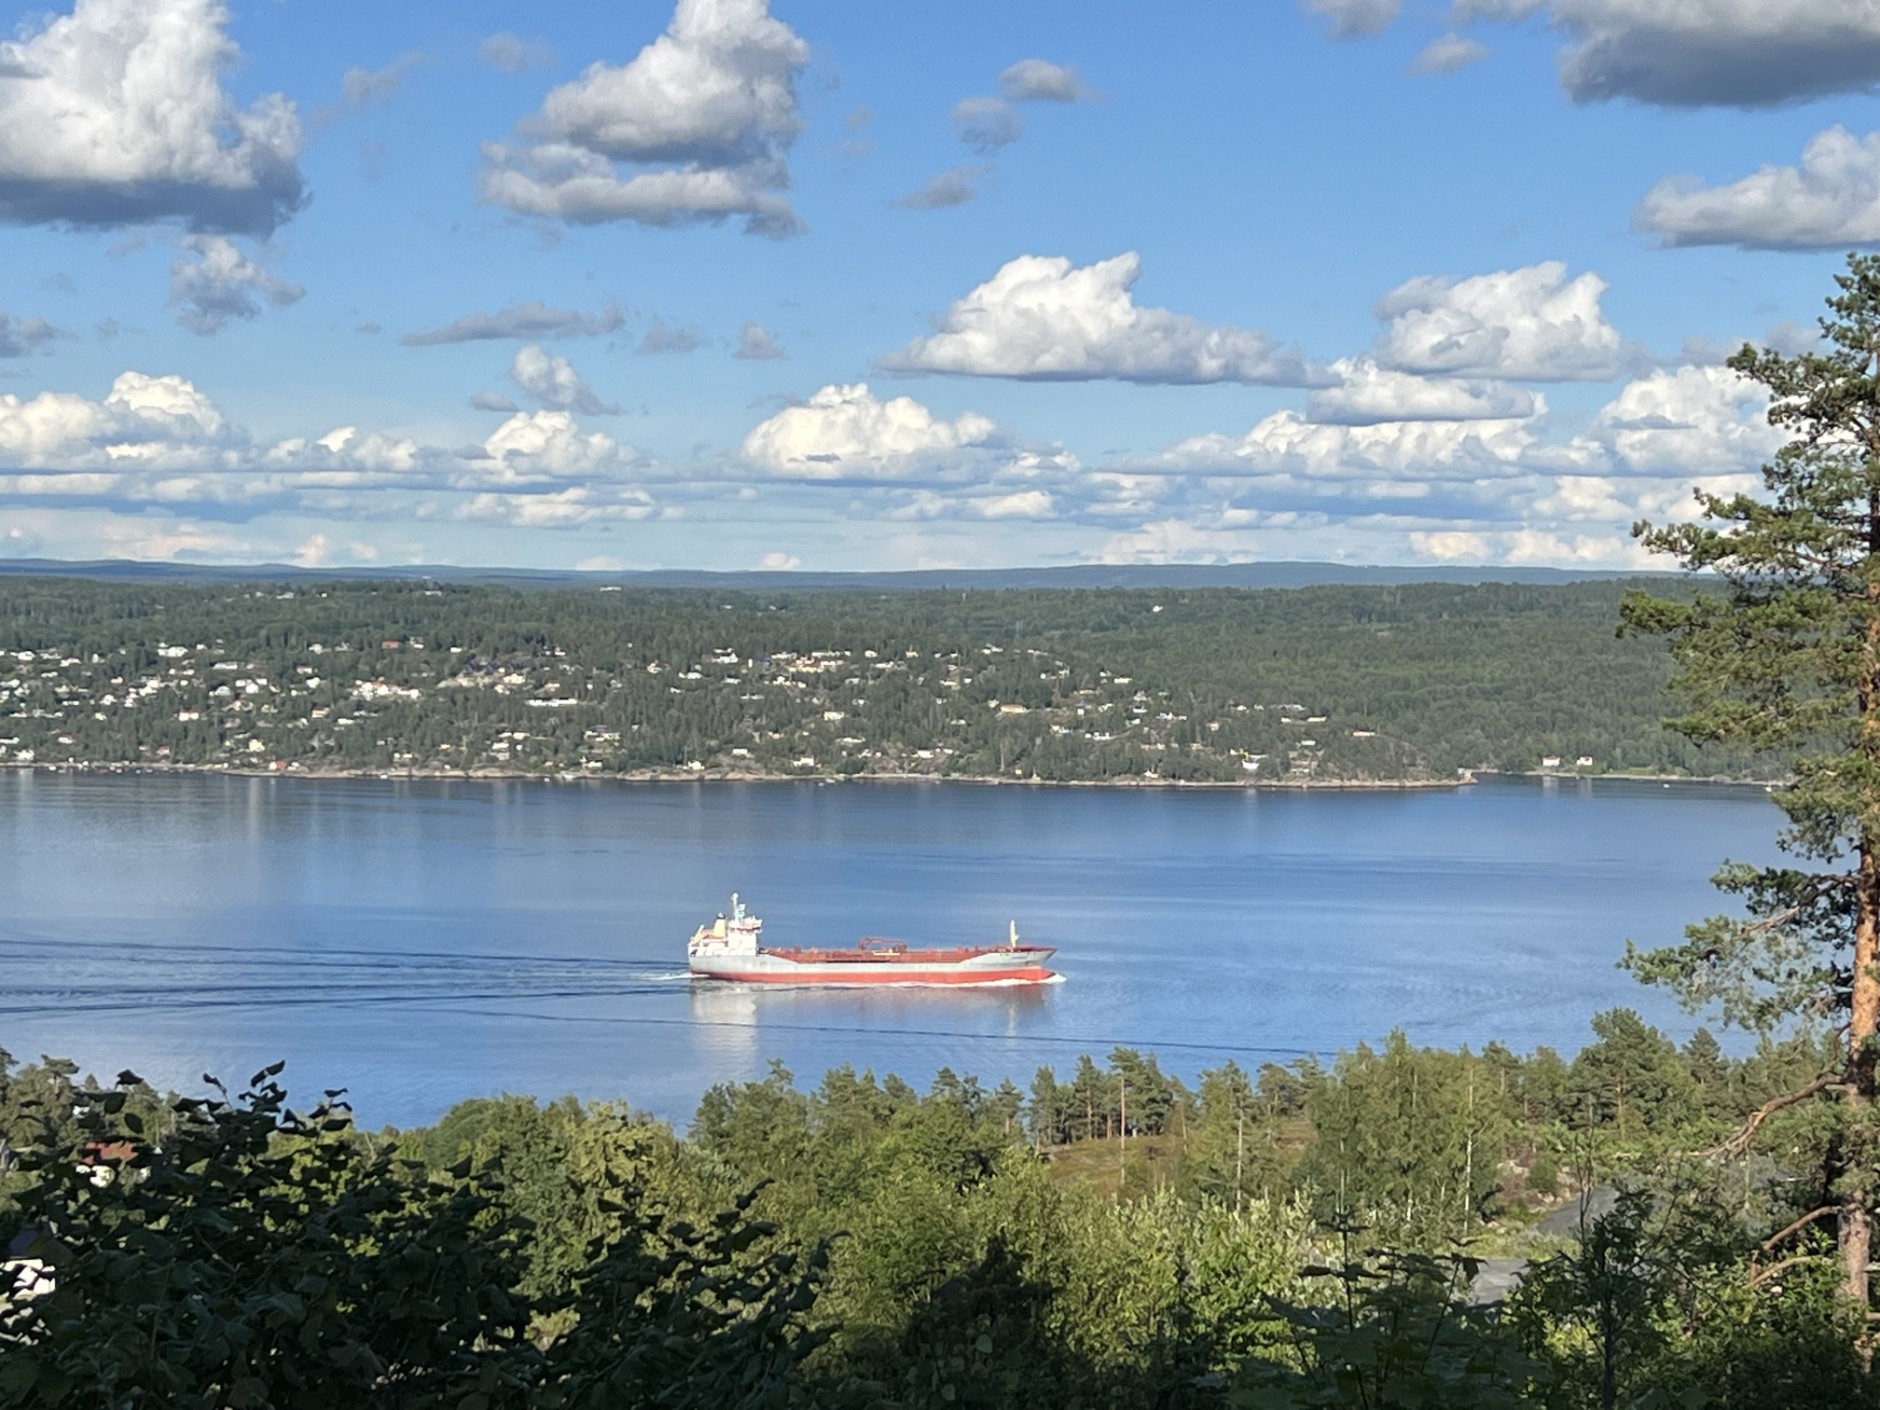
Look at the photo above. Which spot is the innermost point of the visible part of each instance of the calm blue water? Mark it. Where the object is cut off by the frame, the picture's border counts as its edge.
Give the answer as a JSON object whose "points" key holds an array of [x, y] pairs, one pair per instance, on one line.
{"points": [[421, 942]]}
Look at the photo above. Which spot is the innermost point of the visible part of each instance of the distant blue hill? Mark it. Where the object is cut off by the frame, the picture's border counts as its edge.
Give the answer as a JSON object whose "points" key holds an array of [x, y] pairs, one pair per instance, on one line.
{"points": [[1172, 575]]}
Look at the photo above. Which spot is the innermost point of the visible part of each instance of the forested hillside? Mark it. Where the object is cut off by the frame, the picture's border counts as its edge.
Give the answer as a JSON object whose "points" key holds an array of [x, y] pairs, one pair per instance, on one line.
{"points": [[1325, 684]]}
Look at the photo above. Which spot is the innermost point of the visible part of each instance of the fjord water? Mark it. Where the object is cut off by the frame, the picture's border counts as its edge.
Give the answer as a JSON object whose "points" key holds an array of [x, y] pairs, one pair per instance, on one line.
{"points": [[418, 942]]}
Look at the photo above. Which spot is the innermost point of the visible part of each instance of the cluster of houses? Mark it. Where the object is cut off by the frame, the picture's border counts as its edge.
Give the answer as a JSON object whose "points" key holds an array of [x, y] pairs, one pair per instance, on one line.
{"points": [[1553, 763], [801, 711]]}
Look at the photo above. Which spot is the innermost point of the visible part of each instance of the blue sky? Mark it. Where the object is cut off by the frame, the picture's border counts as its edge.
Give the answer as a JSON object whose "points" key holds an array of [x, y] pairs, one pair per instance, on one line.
{"points": [[735, 284]]}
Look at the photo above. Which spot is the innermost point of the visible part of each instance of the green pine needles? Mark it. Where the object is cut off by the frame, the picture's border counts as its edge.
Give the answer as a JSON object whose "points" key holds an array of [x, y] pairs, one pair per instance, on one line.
{"points": [[1786, 657]]}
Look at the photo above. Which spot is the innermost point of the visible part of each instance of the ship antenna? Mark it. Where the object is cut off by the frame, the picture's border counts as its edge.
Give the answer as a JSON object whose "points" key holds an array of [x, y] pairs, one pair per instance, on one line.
{"points": [[737, 907], [1014, 941]]}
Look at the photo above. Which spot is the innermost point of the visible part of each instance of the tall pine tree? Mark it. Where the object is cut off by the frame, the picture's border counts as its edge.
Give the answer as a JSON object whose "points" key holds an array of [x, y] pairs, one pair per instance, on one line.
{"points": [[1782, 653]]}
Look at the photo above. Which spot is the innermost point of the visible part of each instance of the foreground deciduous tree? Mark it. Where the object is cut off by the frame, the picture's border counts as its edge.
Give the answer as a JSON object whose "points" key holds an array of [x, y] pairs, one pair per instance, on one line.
{"points": [[1785, 657]]}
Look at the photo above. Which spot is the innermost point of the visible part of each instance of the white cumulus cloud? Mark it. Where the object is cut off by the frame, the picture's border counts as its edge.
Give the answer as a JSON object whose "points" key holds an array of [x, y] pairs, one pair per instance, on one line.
{"points": [[144, 421], [1530, 324], [534, 446], [846, 432], [927, 505], [1042, 318], [1451, 545], [1182, 541], [1530, 548], [552, 381], [115, 114], [351, 455], [1691, 421], [569, 508], [212, 281], [1020, 504], [697, 127], [1286, 444], [1366, 394], [159, 443], [1831, 200]]}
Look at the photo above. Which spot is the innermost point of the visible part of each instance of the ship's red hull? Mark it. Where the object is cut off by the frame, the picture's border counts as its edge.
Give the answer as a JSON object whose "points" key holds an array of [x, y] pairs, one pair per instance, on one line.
{"points": [[881, 962], [882, 974], [729, 949]]}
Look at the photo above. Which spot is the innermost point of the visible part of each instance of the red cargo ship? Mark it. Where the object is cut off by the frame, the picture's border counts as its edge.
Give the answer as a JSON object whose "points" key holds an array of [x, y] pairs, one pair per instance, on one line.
{"points": [[729, 948]]}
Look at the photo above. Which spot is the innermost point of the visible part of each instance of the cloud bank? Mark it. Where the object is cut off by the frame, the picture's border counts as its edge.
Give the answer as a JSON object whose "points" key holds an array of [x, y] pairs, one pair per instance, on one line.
{"points": [[1830, 201], [1367, 394]]}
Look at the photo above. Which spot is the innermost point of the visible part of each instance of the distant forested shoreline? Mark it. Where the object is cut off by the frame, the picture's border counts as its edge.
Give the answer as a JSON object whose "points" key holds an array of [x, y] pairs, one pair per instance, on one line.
{"points": [[1337, 685]]}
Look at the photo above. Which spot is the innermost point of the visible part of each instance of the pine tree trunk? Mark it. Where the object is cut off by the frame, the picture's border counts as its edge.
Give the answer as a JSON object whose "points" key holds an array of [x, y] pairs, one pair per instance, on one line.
{"points": [[1240, 1146], [1854, 1228], [1854, 1232]]}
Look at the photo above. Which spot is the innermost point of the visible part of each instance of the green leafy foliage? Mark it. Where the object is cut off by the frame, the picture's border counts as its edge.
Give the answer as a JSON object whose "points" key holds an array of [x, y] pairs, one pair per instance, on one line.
{"points": [[1408, 1139], [256, 1257], [1397, 1330], [1661, 1303], [253, 1257], [865, 1244]]}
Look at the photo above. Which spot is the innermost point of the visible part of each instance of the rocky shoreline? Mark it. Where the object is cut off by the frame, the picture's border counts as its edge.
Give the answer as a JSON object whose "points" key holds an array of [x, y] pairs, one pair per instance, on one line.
{"points": [[664, 776]]}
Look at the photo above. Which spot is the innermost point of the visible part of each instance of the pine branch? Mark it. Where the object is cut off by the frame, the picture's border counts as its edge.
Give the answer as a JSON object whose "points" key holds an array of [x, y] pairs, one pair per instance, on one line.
{"points": [[1763, 1275], [1818, 888], [1739, 1143], [1769, 1244]]}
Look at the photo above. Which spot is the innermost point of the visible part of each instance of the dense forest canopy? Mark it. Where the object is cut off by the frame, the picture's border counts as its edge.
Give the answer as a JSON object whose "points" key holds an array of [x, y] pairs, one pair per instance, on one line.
{"points": [[1323, 684]]}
